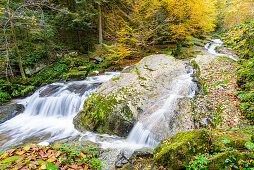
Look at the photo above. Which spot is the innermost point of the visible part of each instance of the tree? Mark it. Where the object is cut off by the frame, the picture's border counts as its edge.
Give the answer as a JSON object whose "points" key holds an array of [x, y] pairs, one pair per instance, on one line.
{"points": [[238, 11], [186, 18]]}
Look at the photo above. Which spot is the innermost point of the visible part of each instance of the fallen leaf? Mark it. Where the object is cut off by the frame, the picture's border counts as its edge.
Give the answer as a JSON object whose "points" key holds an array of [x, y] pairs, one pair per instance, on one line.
{"points": [[82, 154], [51, 160], [26, 148], [5, 155], [58, 154], [20, 152], [11, 152], [43, 166], [85, 167]]}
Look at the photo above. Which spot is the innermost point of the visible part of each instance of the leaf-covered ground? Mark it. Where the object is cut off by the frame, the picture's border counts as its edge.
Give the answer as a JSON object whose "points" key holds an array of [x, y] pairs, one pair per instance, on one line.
{"points": [[217, 105], [65, 157]]}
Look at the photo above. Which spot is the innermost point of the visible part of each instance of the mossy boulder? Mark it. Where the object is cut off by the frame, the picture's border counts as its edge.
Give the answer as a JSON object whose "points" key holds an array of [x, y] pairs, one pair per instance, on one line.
{"points": [[105, 114], [176, 152], [218, 161], [76, 75]]}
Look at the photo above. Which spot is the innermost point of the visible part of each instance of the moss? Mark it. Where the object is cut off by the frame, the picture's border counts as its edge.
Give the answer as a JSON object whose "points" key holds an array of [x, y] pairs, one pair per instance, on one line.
{"points": [[105, 114], [177, 151], [218, 161], [6, 163], [234, 138], [115, 78], [76, 75], [197, 71], [9, 160]]}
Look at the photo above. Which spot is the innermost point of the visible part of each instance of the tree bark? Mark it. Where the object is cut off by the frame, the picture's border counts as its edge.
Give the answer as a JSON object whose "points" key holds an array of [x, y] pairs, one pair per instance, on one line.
{"points": [[15, 43], [100, 23]]}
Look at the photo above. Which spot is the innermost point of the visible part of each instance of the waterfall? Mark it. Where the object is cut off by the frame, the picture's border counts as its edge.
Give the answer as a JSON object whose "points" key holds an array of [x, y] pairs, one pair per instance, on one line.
{"points": [[145, 130], [49, 112]]}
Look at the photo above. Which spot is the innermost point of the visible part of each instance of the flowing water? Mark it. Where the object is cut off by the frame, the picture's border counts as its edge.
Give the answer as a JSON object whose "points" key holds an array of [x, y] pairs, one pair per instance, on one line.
{"points": [[146, 131], [49, 112], [213, 44]]}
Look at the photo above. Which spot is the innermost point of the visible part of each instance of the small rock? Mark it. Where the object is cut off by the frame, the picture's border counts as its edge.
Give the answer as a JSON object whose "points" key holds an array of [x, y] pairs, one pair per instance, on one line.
{"points": [[99, 59], [143, 153]]}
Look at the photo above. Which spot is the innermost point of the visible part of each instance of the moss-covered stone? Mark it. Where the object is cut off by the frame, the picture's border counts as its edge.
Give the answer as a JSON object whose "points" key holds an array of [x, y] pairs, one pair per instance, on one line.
{"points": [[105, 114], [218, 161], [233, 138], [180, 149], [177, 151], [76, 75]]}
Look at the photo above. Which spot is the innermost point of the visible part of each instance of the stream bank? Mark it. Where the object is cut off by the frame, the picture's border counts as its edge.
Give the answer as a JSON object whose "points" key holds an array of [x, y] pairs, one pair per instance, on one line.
{"points": [[173, 93]]}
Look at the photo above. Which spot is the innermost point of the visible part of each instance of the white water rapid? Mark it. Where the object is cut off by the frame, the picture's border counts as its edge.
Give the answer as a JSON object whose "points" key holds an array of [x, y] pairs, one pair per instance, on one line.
{"points": [[211, 48], [49, 112], [146, 131]]}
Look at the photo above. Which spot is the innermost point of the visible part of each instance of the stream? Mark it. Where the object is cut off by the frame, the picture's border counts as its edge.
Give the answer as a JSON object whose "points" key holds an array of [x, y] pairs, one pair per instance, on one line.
{"points": [[49, 113]]}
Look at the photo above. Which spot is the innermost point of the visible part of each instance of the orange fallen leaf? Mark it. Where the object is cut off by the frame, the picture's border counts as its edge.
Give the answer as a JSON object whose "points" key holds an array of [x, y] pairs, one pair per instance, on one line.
{"points": [[85, 167]]}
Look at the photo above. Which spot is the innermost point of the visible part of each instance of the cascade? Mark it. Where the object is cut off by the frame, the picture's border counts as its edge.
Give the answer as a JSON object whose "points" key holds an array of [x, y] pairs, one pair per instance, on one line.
{"points": [[213, 44], [49, 112], [145, 130]]}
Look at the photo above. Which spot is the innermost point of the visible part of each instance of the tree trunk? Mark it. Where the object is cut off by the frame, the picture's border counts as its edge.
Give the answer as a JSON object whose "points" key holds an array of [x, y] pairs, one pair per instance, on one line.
{"points": [[8, 63], [100, 23], [15, 43], [178, 48]]}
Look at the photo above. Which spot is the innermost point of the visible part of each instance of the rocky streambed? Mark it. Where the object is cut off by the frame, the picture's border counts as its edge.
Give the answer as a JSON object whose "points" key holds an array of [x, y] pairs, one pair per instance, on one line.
{"points": [[129, 113]]}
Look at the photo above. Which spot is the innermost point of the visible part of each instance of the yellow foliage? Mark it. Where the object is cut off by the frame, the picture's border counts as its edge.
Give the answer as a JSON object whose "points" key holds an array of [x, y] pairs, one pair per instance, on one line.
{"points": [[186, 18], [237, 11], [134, 23], [119, 51]]}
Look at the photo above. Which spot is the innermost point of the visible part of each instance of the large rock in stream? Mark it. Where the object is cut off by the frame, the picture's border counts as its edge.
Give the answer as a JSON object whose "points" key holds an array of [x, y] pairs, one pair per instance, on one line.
{"points": [[9, 111], [115, 106]]}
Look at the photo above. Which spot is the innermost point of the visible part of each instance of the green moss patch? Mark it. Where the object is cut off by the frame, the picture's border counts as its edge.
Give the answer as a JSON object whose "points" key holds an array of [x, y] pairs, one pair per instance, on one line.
{"points": [[218, 148], [105, 114]]}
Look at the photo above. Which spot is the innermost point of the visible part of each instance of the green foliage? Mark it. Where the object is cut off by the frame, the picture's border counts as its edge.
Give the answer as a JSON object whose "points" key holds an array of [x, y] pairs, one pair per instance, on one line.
{"points": [[249, 145], [241, 38], [88, 155], [4, 96], [205, 149], [199, 163], [51, 166], [231, 162]]}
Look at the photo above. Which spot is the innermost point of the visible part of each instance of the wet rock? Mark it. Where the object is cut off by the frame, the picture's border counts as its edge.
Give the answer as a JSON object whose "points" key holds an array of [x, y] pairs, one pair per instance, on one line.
{"points": [[79, 88], [51, 89], [142, 153], [9, 111], [121, 161], [109, 158], [129, 96], [76, 75]]}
